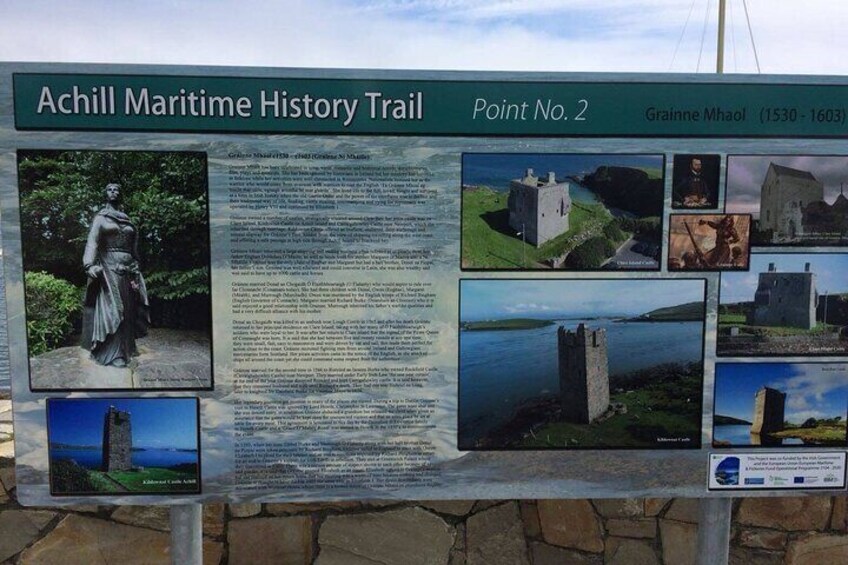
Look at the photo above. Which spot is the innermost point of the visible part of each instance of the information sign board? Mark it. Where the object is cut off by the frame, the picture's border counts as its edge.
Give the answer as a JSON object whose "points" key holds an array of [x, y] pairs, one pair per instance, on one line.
{"points": [[286, 284]]}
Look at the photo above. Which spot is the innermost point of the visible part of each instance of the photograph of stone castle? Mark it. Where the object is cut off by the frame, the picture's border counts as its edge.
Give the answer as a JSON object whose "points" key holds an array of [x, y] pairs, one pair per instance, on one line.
{"points": [[580, 364], [123, 446], [795, 200], [576, 212], [709, 242], [116, 269], [787, 304], [780, 405]]}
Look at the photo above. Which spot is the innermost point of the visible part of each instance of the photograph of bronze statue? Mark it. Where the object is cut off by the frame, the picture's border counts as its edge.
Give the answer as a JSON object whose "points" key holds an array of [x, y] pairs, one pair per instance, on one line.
{"points": [[709, 242], [695, 181], [116, 267], [116, 305]]}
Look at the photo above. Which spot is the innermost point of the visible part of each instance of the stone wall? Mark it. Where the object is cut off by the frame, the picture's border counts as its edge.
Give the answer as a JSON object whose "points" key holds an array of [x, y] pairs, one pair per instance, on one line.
{"points": [[785, 299], [583, 373], [791, 531]]}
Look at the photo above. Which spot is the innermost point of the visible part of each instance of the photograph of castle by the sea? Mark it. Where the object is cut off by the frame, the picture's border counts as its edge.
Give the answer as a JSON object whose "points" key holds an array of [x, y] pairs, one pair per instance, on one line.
{"points": [[580, 364], [780, 404], [123, 446], [794, 199], [788, 304], [577, 212]]}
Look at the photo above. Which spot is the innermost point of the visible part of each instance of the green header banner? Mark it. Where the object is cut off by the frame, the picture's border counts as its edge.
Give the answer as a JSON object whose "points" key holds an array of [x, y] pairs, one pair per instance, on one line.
{"points": [[111, 102]]}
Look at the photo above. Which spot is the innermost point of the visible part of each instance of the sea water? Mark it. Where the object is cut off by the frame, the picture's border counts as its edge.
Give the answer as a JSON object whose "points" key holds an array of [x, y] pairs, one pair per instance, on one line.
{"points": [[498, 370]]}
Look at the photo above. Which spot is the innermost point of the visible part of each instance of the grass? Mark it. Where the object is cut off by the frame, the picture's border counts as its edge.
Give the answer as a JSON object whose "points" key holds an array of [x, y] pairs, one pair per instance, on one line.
{"points": [[669, 408], [735, 319], [152, 479], [488, 241], [819, 435], [511, 324], [738, 320], [653, 172]]}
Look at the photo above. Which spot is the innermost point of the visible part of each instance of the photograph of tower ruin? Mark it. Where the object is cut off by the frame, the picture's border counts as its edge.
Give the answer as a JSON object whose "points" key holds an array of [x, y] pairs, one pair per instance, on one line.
{"points": [[569, 211], [115, 446], [794, 199], [574, 364], [780, 404], [709, 242], [787, 304]]}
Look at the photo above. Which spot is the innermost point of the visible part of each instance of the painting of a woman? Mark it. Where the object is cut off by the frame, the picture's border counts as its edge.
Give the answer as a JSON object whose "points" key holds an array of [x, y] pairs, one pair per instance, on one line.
{"points": [[116, 303]]}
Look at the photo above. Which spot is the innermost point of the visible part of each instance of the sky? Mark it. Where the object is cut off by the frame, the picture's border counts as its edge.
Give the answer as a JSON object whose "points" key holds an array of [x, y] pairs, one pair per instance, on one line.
{"points": [[813, 390], [520, 298], [157, 422], [541, 35], [745, 176], [831, 272]]}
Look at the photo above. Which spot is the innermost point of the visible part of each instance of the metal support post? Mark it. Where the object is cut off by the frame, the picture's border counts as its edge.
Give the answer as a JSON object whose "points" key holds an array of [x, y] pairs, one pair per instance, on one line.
{"points": [[187, 534], [714, 530]]}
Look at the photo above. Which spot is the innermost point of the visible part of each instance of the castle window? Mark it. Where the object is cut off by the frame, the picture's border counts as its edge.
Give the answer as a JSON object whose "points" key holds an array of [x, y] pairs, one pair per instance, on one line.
{"points": [[768, 215]]}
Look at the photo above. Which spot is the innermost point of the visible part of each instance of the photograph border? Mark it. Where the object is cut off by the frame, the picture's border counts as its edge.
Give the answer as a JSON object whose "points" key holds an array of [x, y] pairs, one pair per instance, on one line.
{"points": [[697, 442], [664, 213], [718, 205], [208, 234], [713, 270], [770, 355], [759, 447], [126, 493], [770, 246]]}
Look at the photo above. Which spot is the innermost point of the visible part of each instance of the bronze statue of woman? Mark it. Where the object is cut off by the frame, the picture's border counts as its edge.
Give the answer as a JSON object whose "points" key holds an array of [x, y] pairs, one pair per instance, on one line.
{"points": [[116, 304]]}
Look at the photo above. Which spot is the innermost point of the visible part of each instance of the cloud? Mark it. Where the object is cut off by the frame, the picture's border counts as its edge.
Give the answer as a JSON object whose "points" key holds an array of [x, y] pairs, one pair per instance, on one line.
{"points": [[544, 35], [815, 387], [521, 308]]}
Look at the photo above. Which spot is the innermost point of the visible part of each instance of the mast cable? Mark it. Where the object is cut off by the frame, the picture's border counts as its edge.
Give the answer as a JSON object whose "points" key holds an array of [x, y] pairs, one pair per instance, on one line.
{"points": [[703, 35], [733, 38], [751, 33], [682, 33]]}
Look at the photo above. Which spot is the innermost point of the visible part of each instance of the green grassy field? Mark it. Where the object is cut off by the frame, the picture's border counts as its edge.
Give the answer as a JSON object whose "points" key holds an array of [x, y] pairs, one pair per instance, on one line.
{"points": [[489, 242], [511, 324], [653, 173], [666, 408], [152, 479], [725, 321], [819, 435]]}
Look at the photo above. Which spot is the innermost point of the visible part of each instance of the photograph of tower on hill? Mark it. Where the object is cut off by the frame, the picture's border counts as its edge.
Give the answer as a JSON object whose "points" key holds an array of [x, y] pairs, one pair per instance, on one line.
{"points": [[115, 446], [575, 364], [569, 211], [794, 199], [780, 404], [788, 304]]}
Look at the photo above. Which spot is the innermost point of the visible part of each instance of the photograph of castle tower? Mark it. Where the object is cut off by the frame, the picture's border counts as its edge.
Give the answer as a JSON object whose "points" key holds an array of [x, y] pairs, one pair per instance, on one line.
{"points": [[787, 304], [795, 200], [780, 404], [570, 211], [575, 364], [114, 446]]}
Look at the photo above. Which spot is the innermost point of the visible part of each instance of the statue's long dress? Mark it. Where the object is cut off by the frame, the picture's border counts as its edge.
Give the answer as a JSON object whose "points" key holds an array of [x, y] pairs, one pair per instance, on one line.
{"points": [[115, 313]]}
